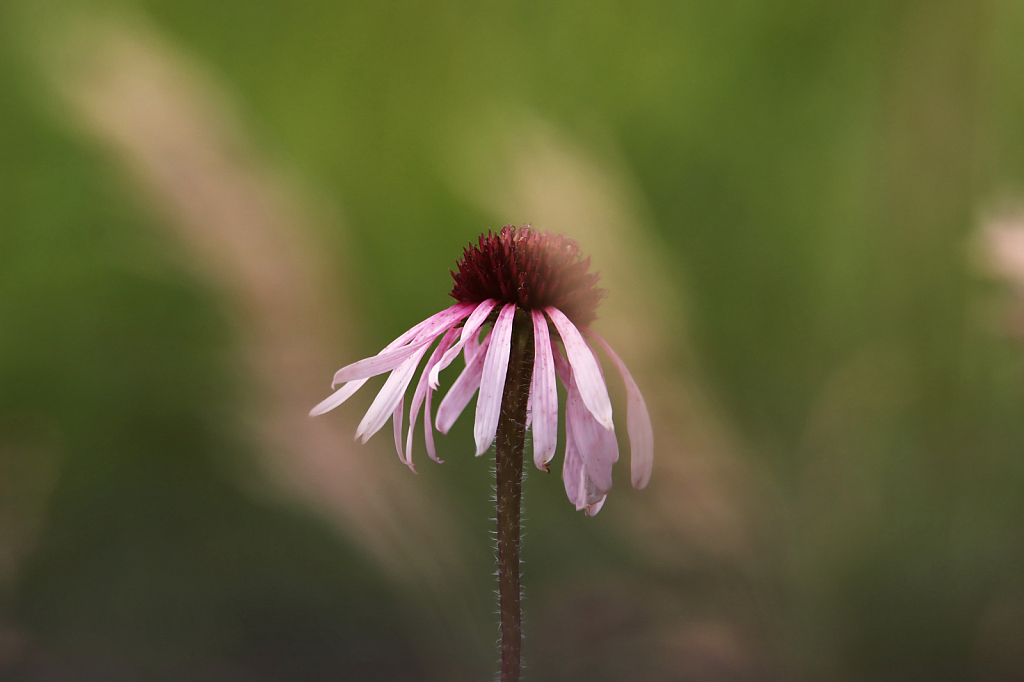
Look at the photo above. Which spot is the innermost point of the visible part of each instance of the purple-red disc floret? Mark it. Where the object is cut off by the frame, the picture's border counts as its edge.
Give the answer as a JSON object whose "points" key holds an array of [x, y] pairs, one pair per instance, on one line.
{"points": [[530, 268]]}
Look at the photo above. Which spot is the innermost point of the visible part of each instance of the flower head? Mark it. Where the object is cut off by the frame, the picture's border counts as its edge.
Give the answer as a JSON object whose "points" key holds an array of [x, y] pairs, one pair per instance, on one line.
{"points": [[532, 269], [545, 277]]}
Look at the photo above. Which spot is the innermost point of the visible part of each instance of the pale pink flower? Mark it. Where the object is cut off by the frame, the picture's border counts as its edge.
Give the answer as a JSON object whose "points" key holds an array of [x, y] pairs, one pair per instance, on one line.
{"points": [[546, 278]]}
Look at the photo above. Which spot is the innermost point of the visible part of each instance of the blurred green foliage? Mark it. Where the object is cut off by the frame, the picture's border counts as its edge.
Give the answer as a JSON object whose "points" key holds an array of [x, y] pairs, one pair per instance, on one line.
{"points": [[817, 173]]}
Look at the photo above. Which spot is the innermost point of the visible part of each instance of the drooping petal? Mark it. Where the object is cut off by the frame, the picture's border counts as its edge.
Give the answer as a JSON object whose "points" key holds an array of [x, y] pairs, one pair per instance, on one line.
{"points": [[492, 380], [472, 346], [472, 326], [404, 346], [385, 361], [585, 369], [397, 417], [592, 509], [597, 446], [529, 405], [572, 472], [440, 320], [392, 392], [561, 366], [337, 398], [462, 390], [421, 391], [638, 422], [579, 486], [428, 427], [543, 394]]}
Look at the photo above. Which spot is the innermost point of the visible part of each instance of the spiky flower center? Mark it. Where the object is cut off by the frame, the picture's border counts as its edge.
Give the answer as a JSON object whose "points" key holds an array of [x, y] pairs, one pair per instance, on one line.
{"points": [[531, 269]]}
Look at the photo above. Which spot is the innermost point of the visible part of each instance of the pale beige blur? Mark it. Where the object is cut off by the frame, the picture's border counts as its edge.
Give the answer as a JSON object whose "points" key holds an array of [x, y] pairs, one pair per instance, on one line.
{"points": [[1003, 238], [173, 130], [998, 251]]}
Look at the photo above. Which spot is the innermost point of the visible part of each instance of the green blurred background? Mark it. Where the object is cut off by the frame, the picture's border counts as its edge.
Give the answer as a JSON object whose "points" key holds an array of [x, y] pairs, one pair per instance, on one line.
{"points": [[809, 217]]}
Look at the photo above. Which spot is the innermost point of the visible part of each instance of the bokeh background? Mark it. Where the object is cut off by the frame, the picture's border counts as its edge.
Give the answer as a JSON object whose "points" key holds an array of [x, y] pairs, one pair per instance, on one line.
{"points": [[809, 217]]}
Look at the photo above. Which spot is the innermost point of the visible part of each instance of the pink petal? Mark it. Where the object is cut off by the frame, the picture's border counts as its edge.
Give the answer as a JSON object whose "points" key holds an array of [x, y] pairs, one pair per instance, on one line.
{"points": [[442, 321], [561, 366], [492, 380], [462, 390], [385, 361], [529, 406], [396, 417], [452, 314], [421, 391], [544, 395], [337, 398], [577, 483], [597, 445], [472, 326], [638, 422], [404, 346], [428, 429], [391, 393], [472, 347], [572, 473], [585, 369], [439, 320]]}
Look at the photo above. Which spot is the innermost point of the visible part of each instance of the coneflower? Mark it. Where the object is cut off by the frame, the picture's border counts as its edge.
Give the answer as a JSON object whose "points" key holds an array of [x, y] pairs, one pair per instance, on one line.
{"points": [[534, 292]]}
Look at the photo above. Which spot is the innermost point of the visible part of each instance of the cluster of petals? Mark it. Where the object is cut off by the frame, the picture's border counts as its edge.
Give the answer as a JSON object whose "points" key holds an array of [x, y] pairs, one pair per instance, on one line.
{"points": [[591, 447]]}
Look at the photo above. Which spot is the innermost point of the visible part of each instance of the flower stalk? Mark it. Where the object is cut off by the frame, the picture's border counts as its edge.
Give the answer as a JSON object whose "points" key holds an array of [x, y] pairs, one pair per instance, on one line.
{"points": [[510, 444]]}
